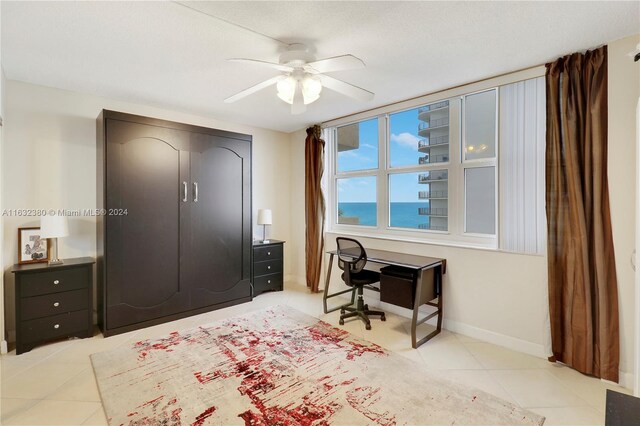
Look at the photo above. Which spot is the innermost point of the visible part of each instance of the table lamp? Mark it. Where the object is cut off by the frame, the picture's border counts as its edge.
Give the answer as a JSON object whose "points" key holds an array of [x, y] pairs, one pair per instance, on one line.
{"points": [[264, 218], [54, 227]]}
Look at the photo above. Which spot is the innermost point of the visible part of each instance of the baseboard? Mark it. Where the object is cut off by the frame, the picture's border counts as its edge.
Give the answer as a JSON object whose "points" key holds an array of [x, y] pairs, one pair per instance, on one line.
{"points": [[503, 340], [4, 348]]}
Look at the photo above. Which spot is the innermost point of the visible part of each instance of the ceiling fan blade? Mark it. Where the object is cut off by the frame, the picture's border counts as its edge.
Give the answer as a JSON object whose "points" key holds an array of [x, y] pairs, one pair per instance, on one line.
{"points": [[337, 63], [298, 106], [279, 67], [346, 89], [253, 89]]}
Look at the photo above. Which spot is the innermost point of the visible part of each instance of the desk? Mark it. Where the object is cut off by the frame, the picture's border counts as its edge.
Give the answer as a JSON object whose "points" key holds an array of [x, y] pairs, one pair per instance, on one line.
{"points": [[409, 261]]}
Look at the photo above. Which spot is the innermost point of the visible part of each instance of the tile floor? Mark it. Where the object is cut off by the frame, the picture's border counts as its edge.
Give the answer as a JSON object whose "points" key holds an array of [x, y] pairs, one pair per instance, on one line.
{"points": [[54, 384]]}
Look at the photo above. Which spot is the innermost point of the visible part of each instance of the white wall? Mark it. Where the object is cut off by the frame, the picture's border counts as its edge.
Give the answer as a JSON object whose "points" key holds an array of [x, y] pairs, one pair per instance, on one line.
{"points": [[297, 227], [624, 89], [49, 161], [502, 297]]}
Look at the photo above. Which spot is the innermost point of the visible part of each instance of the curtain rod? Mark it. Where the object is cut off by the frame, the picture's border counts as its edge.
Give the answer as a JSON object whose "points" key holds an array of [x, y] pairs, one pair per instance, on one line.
{"points": [[435, 92]]}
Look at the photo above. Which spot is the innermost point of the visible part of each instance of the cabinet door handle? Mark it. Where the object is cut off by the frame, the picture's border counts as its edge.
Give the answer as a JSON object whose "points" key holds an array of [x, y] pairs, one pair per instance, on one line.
{"points": [[195, 192], [56, 326], [184, 198], [56, 304], [56, 282]]}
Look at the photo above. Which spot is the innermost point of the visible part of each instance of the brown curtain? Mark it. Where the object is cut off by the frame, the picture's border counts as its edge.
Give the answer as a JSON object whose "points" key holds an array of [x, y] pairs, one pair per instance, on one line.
{"points": [[583, 292], [314, 205]]}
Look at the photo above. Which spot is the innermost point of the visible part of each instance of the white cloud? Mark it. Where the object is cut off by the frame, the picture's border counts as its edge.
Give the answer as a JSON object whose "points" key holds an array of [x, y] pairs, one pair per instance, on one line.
{"points": [[368, 145], [406, 140]]}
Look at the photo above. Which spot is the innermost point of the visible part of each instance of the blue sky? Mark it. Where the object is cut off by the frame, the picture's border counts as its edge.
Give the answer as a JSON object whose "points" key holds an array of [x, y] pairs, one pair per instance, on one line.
{"points": [[404, 152]]}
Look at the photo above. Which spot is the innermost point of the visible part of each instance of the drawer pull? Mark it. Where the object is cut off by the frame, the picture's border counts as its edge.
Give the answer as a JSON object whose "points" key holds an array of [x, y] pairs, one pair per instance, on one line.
{"points": [[268, 253], [268, 281], [56, 326], [56, 304], [56, 282], [268, 267]]}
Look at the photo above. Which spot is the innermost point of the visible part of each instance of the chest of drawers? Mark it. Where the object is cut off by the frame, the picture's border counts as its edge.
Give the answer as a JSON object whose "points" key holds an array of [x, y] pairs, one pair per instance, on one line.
{"points": [[53, 301], [268, 266]]}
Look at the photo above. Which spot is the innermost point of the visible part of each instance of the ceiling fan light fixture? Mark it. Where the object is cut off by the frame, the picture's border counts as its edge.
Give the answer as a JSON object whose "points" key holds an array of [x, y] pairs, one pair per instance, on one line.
{"points": [[286, 89], [311, 88]]}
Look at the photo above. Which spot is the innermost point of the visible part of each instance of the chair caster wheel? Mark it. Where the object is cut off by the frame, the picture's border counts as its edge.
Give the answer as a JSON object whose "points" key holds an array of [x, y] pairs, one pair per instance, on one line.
{"points": [[341, 322], [383, 318], [368, 326], [342, 311]]}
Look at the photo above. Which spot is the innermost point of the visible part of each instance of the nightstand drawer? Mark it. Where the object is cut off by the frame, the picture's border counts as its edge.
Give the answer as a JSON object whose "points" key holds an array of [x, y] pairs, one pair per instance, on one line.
{"points": [[267, 282], [273, 252], [35, 284], [52, 304], [269, 267], [54, 326]]}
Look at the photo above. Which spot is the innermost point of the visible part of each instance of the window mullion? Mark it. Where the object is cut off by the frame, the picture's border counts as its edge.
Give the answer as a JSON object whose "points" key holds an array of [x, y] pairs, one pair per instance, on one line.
{"points": [[383, 180]]}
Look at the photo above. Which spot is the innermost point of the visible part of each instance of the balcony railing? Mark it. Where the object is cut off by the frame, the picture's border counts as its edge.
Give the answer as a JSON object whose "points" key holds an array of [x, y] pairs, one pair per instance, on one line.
{"points": [[432, 211], [433, 141], [431, 227], [431, 107], [434, 123], [425, 195], [430, 159], [432, 177]]}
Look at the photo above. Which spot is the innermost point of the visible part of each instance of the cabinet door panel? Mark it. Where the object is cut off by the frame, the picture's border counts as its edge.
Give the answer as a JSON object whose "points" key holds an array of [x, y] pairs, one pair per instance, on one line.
{"points": [[146, 166], [220, 225]]}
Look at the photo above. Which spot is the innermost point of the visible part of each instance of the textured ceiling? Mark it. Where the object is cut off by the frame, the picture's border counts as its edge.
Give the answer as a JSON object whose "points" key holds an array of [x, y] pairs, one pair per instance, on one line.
{"points": [[174, 55]]}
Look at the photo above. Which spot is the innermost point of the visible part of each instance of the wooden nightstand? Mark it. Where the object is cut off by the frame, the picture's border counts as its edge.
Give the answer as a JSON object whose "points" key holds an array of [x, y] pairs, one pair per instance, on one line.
{"points": [[268, 267], [53, 301]]}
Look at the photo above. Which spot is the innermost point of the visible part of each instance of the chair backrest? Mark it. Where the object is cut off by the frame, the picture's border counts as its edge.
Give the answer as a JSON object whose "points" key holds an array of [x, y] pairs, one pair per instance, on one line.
{"points": [[351, 255]]}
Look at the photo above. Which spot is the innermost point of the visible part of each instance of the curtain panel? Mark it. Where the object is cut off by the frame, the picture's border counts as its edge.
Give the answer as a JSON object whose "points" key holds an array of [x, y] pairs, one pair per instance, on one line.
{"points": [[583, 291], [314, 206]]}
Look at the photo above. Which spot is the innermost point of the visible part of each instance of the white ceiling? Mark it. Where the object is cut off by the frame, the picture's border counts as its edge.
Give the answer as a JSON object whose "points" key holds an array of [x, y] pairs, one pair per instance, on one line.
{"points": [[169, 55]]}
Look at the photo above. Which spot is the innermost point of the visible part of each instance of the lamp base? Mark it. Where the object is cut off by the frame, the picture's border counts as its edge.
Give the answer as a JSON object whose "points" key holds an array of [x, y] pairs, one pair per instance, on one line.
{"points": [[54, 255]]}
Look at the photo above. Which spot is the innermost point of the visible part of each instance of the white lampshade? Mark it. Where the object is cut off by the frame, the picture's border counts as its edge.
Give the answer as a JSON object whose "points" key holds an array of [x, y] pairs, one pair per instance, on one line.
{"points": [[264, 217], [54, 226]]}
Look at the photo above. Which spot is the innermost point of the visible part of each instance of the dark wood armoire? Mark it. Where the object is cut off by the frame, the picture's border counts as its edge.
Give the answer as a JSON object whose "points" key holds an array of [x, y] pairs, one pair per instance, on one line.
{"points": [[175, 235]]}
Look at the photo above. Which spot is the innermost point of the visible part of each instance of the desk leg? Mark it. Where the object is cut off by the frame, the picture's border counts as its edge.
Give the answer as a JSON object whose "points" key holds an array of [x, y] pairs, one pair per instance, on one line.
{"points": [[326, 294], [326, 284], [416, 306], [414, 320], [438, 283]]}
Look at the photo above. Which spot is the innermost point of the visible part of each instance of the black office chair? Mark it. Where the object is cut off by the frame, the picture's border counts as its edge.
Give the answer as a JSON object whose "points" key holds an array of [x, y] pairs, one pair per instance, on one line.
{"points": [[351, 259]]}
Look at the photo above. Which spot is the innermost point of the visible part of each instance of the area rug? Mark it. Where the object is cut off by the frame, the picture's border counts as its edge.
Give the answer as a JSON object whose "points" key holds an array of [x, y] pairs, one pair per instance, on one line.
{"points": [[279, 366]]}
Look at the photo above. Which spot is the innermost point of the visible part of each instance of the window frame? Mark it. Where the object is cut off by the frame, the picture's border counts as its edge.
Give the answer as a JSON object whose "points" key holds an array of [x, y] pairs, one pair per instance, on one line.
{"points": [[455, 166], [479, 163]]}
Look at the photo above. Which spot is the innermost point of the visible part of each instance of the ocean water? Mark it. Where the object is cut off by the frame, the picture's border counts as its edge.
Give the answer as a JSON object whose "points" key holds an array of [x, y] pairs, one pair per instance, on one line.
{"points": [[403, 215]]}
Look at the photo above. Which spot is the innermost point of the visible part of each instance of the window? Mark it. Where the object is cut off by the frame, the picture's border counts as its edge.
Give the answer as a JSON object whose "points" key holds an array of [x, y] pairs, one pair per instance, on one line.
{"points": [[358, 146], [420, 135], [357, 201], [479, 111], [431, 172]]}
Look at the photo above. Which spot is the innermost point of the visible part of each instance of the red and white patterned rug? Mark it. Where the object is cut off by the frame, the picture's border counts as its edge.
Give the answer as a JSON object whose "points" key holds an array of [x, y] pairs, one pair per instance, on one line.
{"points": [[279, 366]]}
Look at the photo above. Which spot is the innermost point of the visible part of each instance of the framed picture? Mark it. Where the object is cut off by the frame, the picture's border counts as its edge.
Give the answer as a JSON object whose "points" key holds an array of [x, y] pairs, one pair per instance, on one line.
{"points": [[31, 247]]}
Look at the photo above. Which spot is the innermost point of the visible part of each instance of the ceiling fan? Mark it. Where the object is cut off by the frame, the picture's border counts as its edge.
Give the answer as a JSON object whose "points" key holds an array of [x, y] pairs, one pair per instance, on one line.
{"points": [[303, 77]]}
